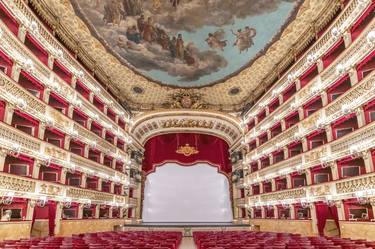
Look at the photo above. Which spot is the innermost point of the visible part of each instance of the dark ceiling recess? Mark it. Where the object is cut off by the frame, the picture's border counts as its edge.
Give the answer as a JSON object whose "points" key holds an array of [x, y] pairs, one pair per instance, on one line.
{"points": [[234, 91], [138, 90]]}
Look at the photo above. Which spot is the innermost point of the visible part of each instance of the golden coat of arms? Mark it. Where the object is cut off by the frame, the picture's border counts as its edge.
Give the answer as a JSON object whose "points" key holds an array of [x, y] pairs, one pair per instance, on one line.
{"points": [[187, 150]]}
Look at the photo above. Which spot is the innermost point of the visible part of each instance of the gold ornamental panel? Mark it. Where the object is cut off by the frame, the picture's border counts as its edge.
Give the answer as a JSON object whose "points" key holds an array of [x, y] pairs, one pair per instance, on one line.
{"points": [[13, 183]]}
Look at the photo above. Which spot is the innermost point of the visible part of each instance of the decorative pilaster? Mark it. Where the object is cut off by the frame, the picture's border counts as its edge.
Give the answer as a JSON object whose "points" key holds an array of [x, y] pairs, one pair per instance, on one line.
{"points": [[3, 155], [80, 211], [288, 181], [112, 188], [329, 133], [67, 140], [97, 211], [100, 184], [292, 212], [304, 144], [261, 188], [283, 125], [308, 177], [334, 170], [16, 71], [36, 169], [74, 81], [84, 180], [298, 84], [353, 76], [88, 123], [63, 175], [51, 61], [267, 110], [347, 38], [46, 94], [110, 212], [361, 118], [286, 152], [263, 212], [314, 219], [91, 97], [367, 158], [319, 64], [30, 209], [372, 202], [275, 213], [273, 184], [22, 33], [70, 111], [41, 131], [324, 97], [101, 158], [8, 115], [86, 151], [59, 209], [301, 114], [340, 210]]}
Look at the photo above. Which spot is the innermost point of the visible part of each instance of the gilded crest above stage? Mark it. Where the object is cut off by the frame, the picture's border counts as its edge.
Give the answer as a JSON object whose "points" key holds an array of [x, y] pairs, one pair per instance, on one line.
{"points": [[186, 43]]}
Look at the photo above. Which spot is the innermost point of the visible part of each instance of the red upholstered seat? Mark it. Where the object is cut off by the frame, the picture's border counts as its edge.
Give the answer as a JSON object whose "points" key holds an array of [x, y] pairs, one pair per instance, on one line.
{"points": [[259, 240], [106, 240]]}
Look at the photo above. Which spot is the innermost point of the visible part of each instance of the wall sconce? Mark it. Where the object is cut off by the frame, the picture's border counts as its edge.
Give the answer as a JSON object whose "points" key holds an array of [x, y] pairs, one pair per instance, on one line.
{"points": [[41, 202], [371, 38], [67, 203], [87, 204], [7, 199], [33, 26], [28, 65]]}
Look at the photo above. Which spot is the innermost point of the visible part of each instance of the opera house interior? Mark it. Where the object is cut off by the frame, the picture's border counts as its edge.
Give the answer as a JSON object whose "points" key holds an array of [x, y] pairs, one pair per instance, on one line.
{"points": [[187, 124]]}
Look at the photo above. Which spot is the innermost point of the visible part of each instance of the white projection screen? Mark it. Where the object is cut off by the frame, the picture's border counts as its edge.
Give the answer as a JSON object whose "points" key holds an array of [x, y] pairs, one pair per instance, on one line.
{"points": [[197, 193]]}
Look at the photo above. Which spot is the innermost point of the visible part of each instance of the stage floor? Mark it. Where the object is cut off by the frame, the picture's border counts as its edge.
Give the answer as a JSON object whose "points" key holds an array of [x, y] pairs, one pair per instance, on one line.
{"points": [[186, 224], [187, 228]]}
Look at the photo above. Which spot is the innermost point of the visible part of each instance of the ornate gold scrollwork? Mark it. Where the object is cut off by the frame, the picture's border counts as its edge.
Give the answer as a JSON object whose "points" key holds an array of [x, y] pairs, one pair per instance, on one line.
{"points": [[187, 150]]}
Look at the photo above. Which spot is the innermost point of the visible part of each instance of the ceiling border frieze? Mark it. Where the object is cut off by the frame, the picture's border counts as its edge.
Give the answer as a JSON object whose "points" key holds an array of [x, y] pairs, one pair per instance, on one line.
{"points": [[312, 16]]}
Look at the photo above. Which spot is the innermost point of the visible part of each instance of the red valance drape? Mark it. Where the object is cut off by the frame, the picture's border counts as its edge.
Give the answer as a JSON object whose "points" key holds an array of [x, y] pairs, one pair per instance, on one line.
{"points": [[323, 213], [162, 149]]}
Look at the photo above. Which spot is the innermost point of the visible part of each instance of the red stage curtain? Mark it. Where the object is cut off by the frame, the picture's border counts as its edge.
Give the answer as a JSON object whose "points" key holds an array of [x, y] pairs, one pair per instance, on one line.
{"points": [[46, 212], [324, 212], [51, 217], [162, 149]]}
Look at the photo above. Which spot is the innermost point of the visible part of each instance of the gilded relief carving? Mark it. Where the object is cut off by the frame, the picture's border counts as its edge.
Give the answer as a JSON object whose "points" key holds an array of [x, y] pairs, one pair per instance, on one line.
{"points": [[14, 183], [187, 123], [354, 185]]}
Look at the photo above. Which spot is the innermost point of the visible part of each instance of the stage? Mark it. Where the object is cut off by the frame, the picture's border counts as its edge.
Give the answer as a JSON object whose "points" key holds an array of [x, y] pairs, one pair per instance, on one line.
{"points": [[186, 228]]}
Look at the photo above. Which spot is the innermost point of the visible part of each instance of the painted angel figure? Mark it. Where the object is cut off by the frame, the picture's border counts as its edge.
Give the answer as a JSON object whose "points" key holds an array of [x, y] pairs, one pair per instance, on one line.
{"points": [[244, 39], [215, 40]]}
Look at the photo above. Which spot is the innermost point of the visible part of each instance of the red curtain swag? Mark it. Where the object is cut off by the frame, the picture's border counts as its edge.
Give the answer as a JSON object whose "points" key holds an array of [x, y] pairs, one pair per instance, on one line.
{"points": [[323, 213], [163, 149], [46, 212]]}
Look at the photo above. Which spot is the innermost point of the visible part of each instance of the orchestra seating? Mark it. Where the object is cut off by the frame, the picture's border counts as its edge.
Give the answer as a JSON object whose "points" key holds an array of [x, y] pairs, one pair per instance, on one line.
{"points": [[258, 240], [105, 240]]}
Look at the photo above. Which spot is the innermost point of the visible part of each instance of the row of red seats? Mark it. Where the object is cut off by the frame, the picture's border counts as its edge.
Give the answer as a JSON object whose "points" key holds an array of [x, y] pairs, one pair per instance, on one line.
{"points": [[105, 240], [259, 240]]}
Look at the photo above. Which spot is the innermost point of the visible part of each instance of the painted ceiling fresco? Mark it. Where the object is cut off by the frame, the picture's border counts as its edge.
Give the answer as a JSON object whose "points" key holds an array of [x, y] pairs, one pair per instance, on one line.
{"points": [[186, 43]]}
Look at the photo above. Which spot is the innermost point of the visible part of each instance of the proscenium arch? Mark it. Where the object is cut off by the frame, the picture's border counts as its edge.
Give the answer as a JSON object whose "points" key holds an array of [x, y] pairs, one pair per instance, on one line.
{"points": [[213, 123], [162, 149]]}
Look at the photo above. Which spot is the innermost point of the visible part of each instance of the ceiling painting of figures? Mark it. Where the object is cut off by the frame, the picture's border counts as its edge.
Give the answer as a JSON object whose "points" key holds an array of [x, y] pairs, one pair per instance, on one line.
{"points": [[186, 43]]}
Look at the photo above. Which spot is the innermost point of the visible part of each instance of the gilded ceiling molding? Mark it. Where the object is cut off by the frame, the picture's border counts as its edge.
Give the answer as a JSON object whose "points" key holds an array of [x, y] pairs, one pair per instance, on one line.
{"points": [[312, 16], [194, 121]]}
